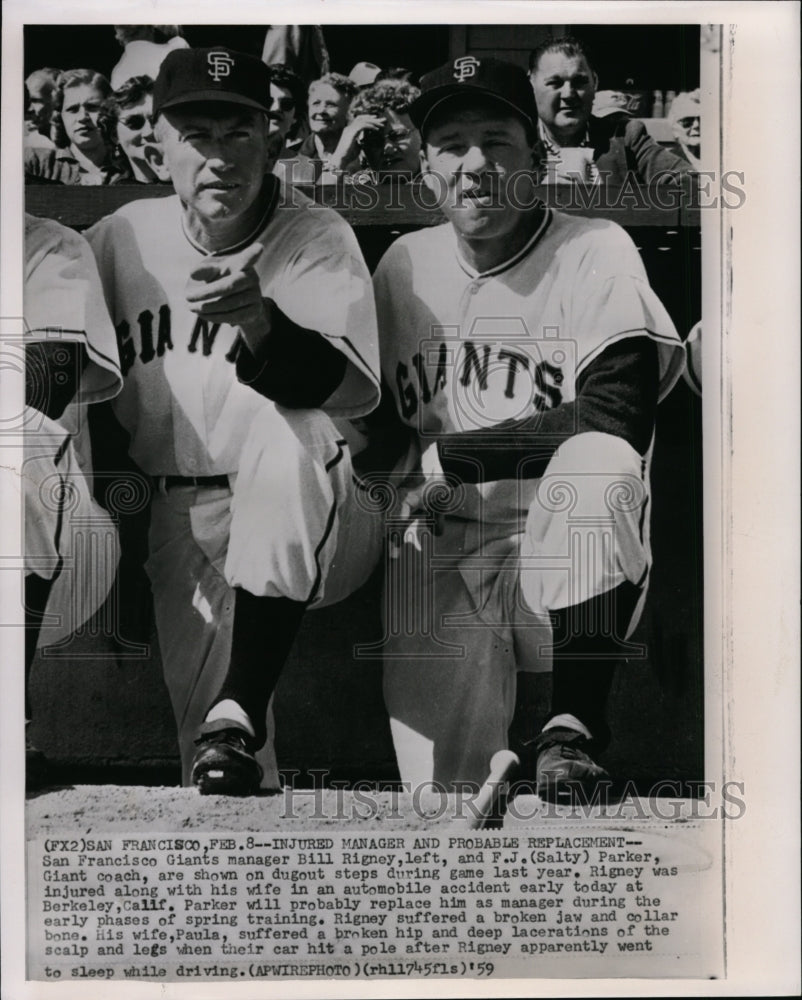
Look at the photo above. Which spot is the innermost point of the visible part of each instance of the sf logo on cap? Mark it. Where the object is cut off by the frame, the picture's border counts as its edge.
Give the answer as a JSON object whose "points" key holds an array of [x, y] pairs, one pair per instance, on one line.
{"points": [[220, 64], [465, 67]]}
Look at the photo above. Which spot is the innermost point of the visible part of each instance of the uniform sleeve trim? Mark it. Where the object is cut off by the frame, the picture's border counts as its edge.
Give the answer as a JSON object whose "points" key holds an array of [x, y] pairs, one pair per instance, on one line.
{"points": [[77, 335], [367, 369], [659, 338], [109, 366]]}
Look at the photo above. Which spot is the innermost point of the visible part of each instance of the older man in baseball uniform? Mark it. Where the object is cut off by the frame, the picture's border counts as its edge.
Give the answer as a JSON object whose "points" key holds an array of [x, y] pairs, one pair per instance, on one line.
{"points": [[527, 351], [245, 320]]}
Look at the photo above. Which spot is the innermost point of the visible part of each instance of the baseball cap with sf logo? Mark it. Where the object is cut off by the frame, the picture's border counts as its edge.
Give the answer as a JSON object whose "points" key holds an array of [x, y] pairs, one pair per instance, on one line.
{"points": [[217, 74], [468, 74]]}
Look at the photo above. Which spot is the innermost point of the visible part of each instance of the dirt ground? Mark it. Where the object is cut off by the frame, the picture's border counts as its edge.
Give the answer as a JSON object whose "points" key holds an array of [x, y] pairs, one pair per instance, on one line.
{"points": [[87, 809], [117, 808]]}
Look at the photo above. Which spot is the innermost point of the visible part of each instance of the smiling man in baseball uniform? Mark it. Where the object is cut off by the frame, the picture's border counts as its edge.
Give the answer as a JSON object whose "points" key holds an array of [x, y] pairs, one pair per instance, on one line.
{"points": [[245, 321], [526, 349]]}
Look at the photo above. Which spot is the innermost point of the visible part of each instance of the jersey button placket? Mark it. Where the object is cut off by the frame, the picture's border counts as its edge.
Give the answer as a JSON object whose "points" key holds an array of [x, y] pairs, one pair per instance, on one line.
{"points": [[468, 302]]}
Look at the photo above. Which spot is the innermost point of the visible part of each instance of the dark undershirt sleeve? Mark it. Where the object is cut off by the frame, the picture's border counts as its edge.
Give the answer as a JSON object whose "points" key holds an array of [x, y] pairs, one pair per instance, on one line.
{"points": [[52, 374], [298, 368], [616, 394], [389, 439]]}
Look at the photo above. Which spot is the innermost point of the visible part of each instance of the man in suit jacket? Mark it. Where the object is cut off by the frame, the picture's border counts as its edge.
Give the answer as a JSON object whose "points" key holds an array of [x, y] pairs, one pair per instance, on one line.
{"points": [[617, 146]]}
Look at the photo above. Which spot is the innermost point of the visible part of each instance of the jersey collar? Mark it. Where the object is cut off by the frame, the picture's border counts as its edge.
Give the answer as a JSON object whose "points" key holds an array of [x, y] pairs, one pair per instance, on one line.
{"points": [[241, 244], [512, 261]]}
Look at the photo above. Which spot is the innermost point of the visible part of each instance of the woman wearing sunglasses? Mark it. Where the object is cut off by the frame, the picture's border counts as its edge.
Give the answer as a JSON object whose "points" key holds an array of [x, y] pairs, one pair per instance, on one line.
{"points": [[127, 122]]}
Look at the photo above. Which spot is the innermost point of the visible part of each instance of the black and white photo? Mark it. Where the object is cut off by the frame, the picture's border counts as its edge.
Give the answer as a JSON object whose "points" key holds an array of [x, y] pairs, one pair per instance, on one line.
{"points": [[374, 560]]}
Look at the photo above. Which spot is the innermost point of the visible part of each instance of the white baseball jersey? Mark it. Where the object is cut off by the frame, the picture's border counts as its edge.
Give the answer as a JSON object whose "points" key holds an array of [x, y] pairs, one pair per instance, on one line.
{"points": [[64, 301], [182, 403], [463, 350], [67, 534]]}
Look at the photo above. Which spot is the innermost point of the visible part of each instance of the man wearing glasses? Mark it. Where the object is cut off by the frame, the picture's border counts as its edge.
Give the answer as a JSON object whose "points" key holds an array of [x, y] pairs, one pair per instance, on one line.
{"points": [[686, 125]]}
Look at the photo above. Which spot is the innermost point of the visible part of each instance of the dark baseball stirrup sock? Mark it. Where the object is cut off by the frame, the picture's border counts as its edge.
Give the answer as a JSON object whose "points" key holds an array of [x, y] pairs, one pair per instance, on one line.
{"points": [[37, 592], [588, 643], [264, 631]]}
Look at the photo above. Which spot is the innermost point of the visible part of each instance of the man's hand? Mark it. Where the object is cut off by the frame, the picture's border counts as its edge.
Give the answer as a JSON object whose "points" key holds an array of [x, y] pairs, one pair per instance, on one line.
{"points": [[226, 290], [424, 502], [351, 138]]}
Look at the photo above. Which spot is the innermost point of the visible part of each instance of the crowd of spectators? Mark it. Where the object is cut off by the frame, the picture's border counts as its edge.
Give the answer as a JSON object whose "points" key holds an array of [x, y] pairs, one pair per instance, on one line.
{"points": [[82, 128]]}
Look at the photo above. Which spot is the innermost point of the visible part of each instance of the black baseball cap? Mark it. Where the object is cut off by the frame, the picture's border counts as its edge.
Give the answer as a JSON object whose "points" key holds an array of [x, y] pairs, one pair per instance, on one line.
{"points": [[218, 74], [489, 77]]}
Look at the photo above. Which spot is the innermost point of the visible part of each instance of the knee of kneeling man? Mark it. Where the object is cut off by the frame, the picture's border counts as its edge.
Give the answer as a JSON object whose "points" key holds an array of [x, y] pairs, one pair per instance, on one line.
{"points": [[595, 451], [591, 475]]}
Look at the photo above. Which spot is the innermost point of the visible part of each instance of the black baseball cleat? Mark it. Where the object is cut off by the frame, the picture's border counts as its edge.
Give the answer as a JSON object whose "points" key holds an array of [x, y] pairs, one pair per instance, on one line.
{"points": [[563, 768], [224, 763]]}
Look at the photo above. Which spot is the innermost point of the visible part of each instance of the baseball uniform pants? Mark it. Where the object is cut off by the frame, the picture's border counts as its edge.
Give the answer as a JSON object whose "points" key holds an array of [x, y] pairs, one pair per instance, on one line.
{"points": [[481, 593], [287, 525]]}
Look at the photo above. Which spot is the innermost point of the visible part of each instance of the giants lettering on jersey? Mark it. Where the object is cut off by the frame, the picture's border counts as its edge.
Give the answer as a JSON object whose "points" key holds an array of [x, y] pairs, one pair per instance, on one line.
{"points": [[459, 379], [474, 370], [153, 344], [453, 384]]}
